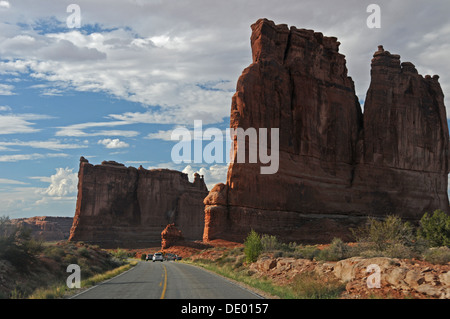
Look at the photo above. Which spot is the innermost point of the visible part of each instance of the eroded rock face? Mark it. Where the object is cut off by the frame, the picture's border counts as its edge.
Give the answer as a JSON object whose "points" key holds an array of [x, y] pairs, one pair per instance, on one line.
{"points": [[405, 152], [46, 228], [170, 236], [336, 166], [125, 206]]}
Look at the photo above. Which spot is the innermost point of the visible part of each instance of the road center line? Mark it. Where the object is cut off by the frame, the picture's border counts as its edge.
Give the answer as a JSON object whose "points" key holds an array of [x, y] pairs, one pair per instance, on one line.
{"points": [[165, 283]]}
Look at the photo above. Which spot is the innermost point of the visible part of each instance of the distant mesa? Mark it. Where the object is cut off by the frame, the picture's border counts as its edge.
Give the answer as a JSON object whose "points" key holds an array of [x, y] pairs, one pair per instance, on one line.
{"points": [[46, 228], [337, 165], [124, 206]]}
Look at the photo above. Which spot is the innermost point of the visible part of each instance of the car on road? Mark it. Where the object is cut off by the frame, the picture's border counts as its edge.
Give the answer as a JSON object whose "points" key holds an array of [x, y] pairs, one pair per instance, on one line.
{"points": [[149, 257], [158, 256], [170, 256]]}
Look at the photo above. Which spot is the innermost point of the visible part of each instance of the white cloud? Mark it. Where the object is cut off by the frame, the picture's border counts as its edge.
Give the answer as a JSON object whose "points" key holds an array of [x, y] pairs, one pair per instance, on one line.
{"points": [[27, 157], [51, 145], [11, 182], [6, 89], [63, 183], [161, 135], [167, 135], [19, 123], [4, 4], [161, 55], [58, 199], [79, 130], [213, 174], [19, 201], [44, 179], [113, 143], [5, 108]]}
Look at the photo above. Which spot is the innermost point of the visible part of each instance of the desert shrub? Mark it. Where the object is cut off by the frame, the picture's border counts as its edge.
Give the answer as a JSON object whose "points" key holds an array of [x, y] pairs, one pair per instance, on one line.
{"points": [[436, 255], [336, 251], [278, 254], [414, 250], [84, 252], [379, 235], [310, 285], [16, 244], [54, 252], [400, 251], [70, 259], [435, 229], [120, 254], [252, 246], [239, 262], [269, 242], [307, 252], [289, 247], [236, 251]]}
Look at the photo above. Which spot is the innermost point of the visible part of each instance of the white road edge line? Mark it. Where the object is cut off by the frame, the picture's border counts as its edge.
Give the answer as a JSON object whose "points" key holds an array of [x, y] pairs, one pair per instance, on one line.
{"points": [[101, 283], [232, 281]]}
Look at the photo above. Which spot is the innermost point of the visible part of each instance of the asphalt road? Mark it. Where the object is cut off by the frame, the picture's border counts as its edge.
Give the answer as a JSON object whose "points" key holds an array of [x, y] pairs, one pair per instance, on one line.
{"points": [[167, 280]]}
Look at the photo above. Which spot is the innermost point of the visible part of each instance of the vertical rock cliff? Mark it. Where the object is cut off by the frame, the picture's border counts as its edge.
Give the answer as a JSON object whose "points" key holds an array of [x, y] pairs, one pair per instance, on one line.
{"points": [[124, 206], [404, 160], [336, 165]]}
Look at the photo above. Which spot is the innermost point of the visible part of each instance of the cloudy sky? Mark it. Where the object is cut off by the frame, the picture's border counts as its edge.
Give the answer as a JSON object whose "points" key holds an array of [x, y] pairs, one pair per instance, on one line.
{"points": [[114, 87]]}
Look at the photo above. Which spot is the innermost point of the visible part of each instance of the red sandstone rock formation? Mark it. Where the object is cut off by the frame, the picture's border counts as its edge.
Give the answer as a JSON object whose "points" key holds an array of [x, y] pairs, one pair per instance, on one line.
{"points": [[46, 228], [170, 236], [124, 206], [405, 150], [336, 165]]}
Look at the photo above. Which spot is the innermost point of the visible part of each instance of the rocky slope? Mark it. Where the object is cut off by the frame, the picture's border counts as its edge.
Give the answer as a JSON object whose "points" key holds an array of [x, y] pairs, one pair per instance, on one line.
{"points": [[124, 206], [399, 278], [336, 165]]}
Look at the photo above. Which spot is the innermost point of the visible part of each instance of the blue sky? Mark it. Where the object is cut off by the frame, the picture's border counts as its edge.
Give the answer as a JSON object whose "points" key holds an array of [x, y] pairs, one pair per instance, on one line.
{"points": [[114, 88]]}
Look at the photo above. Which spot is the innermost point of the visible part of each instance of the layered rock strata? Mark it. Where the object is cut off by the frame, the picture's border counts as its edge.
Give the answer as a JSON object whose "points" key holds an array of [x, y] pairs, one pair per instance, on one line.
{"points": [[124, 206], [46, 228], [336, 165]]}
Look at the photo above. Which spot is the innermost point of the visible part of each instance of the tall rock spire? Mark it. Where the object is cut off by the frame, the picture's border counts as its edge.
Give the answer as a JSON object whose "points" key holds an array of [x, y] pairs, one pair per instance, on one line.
{"points": [[336, 165]]}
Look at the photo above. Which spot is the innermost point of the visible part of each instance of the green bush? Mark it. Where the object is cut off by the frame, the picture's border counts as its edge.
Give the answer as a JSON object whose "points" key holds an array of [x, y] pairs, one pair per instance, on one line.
{"points": [[336, 251], [380, 235], [70, 259], [120, 254], [439, 255], [16, 244], [84, 252], [252, 246], [400, 251], [307, 252], [270, 243], [435, 229], [54, 252]]}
